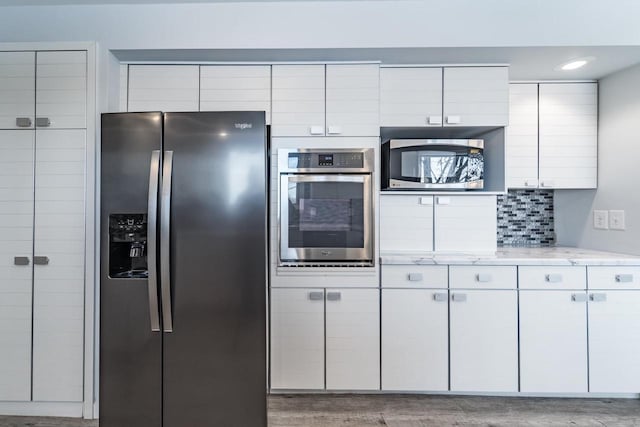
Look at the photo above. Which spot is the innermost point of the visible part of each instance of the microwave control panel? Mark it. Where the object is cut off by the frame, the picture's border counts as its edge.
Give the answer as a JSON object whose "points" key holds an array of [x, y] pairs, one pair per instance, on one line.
{"points": [[310, 160]]}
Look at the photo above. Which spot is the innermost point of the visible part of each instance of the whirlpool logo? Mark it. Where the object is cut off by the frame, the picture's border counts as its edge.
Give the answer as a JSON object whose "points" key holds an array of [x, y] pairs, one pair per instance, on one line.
{"points": [[243, 125]]}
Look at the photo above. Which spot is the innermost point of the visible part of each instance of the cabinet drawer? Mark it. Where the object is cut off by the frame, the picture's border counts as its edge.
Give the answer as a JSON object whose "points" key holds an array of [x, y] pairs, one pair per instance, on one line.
{"points": [[552, 277], [613, 277], [483, 277], [414, 276]]}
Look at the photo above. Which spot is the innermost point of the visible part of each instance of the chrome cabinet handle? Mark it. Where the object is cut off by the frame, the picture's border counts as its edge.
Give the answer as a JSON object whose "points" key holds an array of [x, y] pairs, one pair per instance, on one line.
{"points": [[40, 260], [23, 122], [578, 297], [598, 297], [152, 230], [316, 296], [165, 241], [624, 278], [458, 297], [43, 122], [440, 296], [415, 277], [553, 278], [334, 296], [483, 277], [20, 260]]}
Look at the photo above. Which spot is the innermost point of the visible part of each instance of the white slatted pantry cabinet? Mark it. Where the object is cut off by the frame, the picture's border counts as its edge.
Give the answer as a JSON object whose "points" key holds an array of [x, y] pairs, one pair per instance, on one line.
{"points": [[42, 236], [325, 100], [163, 88], [522, 136]]}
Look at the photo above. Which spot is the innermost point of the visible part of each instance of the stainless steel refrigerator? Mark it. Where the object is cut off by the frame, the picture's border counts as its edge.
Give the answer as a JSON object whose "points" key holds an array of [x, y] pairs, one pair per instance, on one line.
{"points": [[183, 270]]}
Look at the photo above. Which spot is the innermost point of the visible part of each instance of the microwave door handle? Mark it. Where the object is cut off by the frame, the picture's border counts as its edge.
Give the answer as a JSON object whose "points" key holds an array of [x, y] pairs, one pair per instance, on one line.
{"points": [[152, 230], [165, 241]]}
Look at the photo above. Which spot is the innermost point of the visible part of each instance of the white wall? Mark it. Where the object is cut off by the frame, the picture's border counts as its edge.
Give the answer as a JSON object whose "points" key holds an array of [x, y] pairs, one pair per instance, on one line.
{"points": [[618, 172]]}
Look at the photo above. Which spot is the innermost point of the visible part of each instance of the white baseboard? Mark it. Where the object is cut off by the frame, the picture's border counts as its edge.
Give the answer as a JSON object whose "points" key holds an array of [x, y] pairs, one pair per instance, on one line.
{"points": [[42, 409]]}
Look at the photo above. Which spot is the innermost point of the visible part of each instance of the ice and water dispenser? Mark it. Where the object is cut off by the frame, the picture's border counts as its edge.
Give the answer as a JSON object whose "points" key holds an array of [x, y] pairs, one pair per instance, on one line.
{"points": [[128, 246]]}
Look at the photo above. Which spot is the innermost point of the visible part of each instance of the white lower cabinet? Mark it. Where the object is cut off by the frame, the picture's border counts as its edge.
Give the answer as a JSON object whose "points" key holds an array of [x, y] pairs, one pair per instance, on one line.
{"points": [[553, 341], [299, 339], [415, 339], [484, 340]]}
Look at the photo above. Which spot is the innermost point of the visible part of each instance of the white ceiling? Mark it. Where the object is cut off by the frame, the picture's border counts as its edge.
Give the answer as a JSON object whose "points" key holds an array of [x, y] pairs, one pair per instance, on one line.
{"points": [[92, 2]]}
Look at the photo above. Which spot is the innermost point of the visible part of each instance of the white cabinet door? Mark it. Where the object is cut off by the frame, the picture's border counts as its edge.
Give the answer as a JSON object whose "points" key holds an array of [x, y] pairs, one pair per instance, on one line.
{"points": [[16, 240], [353, 339], [353, 100], [568, 135], [465, 223], [406, 223], [17, 89], [415, 353], [553, 341], [522, 136], [297, 339], [614, 341], [236, 88], [298, 100], [163, 88], [58, 300], [484, 340], [411, 96], [61, 89], [476, 96]]}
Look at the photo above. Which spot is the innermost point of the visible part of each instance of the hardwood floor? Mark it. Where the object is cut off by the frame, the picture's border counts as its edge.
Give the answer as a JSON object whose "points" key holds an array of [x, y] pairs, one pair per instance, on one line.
{"points": [[418, 411]]}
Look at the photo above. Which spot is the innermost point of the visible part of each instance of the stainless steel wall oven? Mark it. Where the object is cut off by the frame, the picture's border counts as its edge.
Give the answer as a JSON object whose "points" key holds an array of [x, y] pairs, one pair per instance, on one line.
{"points": [[325, 207]]}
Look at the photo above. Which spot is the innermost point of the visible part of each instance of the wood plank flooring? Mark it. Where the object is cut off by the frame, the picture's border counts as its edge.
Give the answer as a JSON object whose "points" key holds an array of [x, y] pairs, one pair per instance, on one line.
{"points": [[418, 411]]}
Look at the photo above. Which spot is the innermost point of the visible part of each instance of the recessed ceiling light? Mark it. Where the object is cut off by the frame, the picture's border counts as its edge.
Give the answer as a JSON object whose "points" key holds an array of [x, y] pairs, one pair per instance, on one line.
{"points": [[574, 64]]}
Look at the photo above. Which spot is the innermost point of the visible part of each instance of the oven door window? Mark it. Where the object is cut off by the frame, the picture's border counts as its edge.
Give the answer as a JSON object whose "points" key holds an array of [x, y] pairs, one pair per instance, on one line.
{"points": [[440, 164], [324, 212]]}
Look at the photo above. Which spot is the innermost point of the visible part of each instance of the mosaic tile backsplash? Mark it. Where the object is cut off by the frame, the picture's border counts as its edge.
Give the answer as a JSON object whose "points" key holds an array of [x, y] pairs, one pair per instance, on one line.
{"points": [[525, 218]]}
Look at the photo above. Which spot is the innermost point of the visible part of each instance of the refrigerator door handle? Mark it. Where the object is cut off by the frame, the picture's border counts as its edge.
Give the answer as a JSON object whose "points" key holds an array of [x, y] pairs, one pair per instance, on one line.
{"points": [[165, 240], [152, 231]]}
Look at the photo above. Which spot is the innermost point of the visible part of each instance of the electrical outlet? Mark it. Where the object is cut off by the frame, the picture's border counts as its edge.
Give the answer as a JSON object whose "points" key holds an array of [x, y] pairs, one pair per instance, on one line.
{"points": [[601, 220], [616, 220]]}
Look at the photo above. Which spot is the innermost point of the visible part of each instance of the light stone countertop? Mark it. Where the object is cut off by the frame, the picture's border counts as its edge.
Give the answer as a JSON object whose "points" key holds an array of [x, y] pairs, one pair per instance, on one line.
{"points": [[556, 255]]}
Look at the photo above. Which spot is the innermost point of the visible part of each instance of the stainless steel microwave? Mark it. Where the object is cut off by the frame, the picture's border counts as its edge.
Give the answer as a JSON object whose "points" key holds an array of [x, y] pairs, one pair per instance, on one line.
{"points": [[431, 164]]}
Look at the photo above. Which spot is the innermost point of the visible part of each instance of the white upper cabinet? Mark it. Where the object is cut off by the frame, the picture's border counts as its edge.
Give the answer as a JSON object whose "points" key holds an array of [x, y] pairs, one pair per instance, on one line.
{"points": [[353, 100], [465, 223], [568, 135], [476, 96], [319, 100], [522, 136], [17, 89], [163, 88], [406, 223], [236, 88], [450, 96]]}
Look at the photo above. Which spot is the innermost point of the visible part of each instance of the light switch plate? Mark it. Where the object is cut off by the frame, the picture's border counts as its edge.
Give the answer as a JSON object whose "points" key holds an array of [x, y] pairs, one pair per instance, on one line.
{"points": [[616, 220], [600, 220]]}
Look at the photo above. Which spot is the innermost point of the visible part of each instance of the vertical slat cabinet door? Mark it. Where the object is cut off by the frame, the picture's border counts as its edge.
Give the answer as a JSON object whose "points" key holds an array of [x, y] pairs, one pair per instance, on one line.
{"points": [[553, 341], [236, 88], [568, 135], [61, 90], [614, 341], [17, 90], [353, 339], [406, 223], [16, 246], [163, 88], [297, 339], [415, 340], [476, 96], [58, 285], [457, 223], [484, 340], [298, 100], [353, 100], [411, 96], [522, 136]]}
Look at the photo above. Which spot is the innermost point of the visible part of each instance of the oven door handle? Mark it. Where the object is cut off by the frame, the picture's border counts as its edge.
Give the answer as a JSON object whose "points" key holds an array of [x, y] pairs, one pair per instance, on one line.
{"points": [[359, 178]]}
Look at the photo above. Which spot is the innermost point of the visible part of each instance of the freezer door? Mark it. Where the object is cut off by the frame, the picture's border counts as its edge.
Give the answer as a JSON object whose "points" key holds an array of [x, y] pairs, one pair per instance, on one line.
{"points": [[214, 355], [130, 351]]}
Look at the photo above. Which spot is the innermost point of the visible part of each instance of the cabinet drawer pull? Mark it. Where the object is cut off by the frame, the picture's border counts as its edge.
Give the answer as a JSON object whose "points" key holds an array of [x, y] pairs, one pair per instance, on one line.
{"points": [[334, 130], [21, 260], [316, 130], [440, 296], [598, 297], [553, 278], [454, 120], [333, 296], [578, 297], [434, 120], [43, 122], [40, 260], [483, 277], [23, 122], [458, 297], [415, 277], [316, 296], [624, 278], [547, 183]]}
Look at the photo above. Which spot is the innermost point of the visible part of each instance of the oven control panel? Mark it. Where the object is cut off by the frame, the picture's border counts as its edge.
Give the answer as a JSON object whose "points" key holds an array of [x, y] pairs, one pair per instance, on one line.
{"points": [[336, 160]]}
